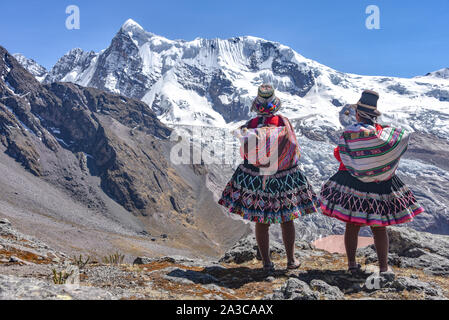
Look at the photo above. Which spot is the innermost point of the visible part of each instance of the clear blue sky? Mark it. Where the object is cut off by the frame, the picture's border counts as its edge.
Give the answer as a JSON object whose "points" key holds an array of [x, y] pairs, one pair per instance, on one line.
{"points": [[413, 39]]}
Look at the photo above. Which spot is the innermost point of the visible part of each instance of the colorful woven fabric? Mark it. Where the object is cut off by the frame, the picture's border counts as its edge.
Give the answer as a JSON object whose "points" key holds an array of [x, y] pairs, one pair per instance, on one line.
{"points": [[368, 204], [271, 148], [268, 121], [372, 153], [285, 196]]}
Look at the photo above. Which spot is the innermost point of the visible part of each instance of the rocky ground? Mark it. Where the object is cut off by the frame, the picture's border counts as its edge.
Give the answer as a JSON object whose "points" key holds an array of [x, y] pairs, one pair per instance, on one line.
{"points": [[419, 261]]}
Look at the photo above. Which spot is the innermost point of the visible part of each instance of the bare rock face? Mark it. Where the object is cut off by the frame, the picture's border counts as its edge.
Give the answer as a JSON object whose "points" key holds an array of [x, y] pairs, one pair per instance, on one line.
{"points": [[74, 58], [295, 289], [131, 166], [5, 222], [94, 123], [32, 66], [169, 259]]}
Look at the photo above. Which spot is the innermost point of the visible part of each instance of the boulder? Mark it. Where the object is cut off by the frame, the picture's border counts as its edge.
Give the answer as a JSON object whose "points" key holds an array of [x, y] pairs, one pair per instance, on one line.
{"points": [[5, 222], [326, 291], [294, 289], [409, 284], [144, 260], [406, 241], [414, 249], [246, 249]]}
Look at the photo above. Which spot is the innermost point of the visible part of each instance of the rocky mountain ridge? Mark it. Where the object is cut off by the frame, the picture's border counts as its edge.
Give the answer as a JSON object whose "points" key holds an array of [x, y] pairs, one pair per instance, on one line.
{"points": [[442, 74], [108, 153], [38, 71]]}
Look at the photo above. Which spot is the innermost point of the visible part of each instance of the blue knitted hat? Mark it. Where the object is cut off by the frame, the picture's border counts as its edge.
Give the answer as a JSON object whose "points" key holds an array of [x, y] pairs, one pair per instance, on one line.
{"points": [[266, 101]]}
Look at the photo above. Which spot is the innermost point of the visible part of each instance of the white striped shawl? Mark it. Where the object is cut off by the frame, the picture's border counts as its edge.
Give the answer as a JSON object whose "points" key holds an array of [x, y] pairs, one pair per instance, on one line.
{"points": [[370, 154]]}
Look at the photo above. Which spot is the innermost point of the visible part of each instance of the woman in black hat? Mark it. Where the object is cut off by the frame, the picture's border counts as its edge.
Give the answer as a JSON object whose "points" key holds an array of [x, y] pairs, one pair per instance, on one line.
{"points": [[263, 194], [366, 191]]}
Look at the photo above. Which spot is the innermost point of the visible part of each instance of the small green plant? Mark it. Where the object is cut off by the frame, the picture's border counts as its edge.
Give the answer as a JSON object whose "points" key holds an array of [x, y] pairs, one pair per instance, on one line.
{"points": [[60, 277], [80, 262], [115, 258]]}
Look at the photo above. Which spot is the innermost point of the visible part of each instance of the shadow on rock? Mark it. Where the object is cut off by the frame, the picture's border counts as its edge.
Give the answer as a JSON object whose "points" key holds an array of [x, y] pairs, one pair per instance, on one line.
{"points": [[344, 280], [232, 278]]}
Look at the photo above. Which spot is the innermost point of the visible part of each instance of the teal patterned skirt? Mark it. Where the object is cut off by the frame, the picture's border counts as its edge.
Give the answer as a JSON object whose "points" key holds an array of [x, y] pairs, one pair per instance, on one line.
{"points": [[277, 198]]}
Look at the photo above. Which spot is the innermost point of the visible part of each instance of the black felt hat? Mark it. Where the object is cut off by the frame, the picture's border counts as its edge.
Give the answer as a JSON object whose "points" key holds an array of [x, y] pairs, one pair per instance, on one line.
{"points": [[368, 103]]}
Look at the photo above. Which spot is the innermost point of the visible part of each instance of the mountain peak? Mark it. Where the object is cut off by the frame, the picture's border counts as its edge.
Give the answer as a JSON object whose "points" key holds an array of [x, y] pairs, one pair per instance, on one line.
{"points": [[31, 66], [130, 25], [442, 74]]}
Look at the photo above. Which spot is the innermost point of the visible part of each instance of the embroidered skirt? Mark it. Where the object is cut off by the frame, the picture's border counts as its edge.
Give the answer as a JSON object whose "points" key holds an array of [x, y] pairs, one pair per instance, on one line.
{"points": [[368, 204], [277, 198]]}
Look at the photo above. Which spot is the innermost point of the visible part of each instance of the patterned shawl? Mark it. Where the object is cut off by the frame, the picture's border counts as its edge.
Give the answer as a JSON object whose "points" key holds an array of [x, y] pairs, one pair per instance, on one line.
{"points": [[269, 148], [372, 153]]}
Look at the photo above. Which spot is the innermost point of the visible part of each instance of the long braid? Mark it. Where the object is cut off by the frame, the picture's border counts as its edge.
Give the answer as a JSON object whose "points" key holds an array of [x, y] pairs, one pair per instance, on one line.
{"points": [[369, 118]]}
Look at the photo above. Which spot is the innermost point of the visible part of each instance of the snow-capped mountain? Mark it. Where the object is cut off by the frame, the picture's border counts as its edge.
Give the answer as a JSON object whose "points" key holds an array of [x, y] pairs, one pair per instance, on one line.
{"points": [[212, 82], [32, 66], [442, 74], [71, 64]]}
